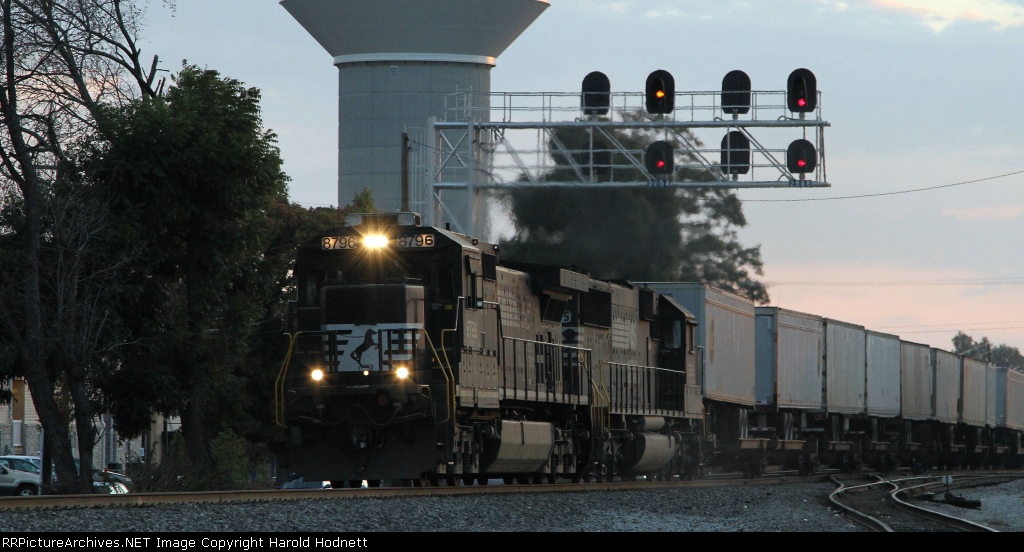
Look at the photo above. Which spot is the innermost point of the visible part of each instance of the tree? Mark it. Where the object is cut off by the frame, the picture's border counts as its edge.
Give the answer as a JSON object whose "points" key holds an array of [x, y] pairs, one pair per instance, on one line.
{"points": [[250, 413], [193, 177], [60, 61], [1000, 355], [363, 202], [640, 234]]}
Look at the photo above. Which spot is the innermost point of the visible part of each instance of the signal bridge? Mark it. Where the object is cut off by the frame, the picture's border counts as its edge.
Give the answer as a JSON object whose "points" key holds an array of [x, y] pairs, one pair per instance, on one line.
{"points": [[599, 139]]}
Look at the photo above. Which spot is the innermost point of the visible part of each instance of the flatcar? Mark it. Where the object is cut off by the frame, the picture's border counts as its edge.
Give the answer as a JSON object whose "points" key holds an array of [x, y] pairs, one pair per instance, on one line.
{"points": [[418, 355]]}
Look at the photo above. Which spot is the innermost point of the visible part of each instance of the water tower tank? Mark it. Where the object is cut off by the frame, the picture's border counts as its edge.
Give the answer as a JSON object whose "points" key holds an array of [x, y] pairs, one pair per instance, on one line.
{"points": [[397, 61]]}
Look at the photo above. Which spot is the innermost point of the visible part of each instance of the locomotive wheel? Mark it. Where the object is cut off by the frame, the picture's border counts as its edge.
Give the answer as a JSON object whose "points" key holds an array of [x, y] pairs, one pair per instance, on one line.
{"points": [[468, 480], [508, 480], [373, 483], [452, 480]]}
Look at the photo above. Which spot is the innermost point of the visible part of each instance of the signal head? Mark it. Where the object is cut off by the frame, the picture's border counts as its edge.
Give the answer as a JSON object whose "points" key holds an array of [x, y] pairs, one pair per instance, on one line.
{"points": [[802, 91], [596, 96], [659, 158], [736, 92], [735, 153], [661, 92], [801, 157]]}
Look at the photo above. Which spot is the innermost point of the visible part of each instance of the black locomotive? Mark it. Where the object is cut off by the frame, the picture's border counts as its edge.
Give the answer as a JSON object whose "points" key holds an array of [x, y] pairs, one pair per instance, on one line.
{"points": [[417, 355]]}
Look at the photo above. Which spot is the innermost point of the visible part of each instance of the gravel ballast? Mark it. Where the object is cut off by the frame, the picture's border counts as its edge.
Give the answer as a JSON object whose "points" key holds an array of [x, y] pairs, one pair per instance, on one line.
{"points": [[802, 507], [796, 507]]}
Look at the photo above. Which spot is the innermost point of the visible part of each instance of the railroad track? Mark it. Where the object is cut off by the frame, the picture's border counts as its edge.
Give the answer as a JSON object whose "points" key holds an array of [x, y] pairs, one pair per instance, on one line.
{"points": [[883, 504], [270, 495]]}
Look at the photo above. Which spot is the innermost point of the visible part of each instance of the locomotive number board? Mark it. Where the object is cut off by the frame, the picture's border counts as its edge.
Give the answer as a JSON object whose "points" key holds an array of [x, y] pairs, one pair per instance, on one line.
{"points": [[354, 242]]}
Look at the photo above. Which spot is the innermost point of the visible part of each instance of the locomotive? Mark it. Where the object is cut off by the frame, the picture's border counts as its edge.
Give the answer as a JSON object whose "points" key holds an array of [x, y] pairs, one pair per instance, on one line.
{"points": [[417, 355]]}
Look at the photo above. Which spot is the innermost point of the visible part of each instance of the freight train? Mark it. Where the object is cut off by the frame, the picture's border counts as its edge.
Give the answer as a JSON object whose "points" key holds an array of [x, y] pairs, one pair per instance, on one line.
{"points": [[418, 355]]}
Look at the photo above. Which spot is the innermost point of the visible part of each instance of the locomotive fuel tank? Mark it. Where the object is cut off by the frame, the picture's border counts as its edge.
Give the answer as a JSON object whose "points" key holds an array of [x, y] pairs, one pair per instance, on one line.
{"points": [[521, 447], [649, 452]]}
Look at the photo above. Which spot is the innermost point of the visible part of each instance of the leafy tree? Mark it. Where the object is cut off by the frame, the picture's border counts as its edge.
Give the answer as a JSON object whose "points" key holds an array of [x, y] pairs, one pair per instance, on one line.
{"points": [[1000, 355], [60, 61], [363, 202], [679, 234], [250, 412], [193, 177]]}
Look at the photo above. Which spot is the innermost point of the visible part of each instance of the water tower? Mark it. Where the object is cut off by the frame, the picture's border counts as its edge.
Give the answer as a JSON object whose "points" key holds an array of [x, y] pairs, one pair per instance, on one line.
{"points": [[397, 62]]}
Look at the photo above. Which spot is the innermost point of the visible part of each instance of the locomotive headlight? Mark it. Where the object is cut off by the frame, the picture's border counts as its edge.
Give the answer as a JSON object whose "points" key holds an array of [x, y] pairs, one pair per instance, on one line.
{"points": [[317, 374], [402, 372], [375, 241]]}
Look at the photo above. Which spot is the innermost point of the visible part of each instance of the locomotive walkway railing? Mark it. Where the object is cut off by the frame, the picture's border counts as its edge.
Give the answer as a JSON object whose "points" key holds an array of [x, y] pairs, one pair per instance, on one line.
{"points": [[646, 390], [535, 370]]}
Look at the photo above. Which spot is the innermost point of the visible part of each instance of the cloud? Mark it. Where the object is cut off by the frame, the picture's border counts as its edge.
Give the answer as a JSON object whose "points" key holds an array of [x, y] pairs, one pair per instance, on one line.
{"points": [[939, 14], [1003, 212], [920, 304]]}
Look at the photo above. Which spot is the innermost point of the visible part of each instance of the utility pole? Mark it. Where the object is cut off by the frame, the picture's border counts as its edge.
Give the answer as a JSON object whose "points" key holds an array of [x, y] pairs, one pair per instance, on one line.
{"points": [[405, 172]]}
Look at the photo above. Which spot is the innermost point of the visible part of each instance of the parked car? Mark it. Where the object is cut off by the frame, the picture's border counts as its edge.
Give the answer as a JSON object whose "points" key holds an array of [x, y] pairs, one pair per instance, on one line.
{"points": [[17, 476], [103, 481], [111, 482]]}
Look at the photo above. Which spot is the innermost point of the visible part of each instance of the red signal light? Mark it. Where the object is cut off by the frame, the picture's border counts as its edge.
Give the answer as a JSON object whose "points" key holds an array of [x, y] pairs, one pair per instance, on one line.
{"points": [[802, 91], [658, 158], [801, 157]]}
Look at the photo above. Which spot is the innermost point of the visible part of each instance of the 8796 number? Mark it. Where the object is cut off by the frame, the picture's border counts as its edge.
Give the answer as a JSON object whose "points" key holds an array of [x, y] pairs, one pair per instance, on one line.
{"points": [[418, 240], [340, 242]]}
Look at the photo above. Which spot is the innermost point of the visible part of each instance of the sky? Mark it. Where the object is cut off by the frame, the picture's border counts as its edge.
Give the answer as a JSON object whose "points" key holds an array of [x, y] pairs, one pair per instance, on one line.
{"points": [[920, 234]]}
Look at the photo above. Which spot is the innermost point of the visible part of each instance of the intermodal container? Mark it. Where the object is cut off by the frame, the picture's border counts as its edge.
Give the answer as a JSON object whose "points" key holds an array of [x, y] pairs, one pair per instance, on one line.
{"points": [[883, 374], [946, 374], [788, 357], [844, 366], [973, 391], [725, 336], [1014, 400], [916, 381], [995, 396]]}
